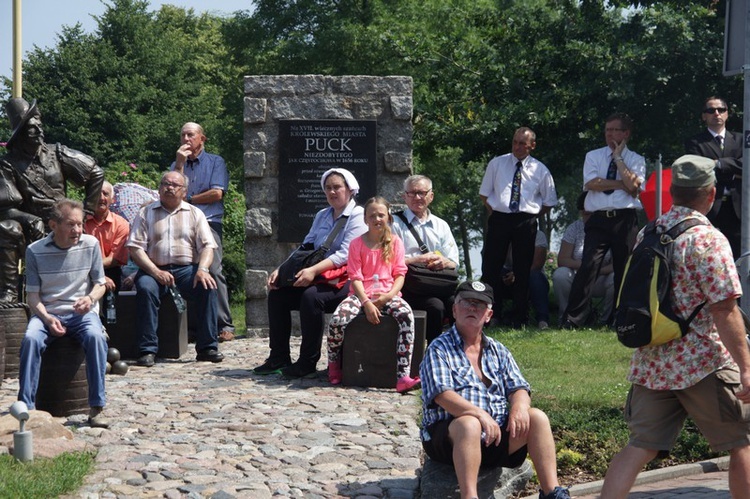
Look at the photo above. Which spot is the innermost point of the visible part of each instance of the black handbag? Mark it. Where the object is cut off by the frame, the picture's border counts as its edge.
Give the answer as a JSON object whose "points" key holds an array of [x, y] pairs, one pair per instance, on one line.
{"points": [[421, 280], [306, 256]]}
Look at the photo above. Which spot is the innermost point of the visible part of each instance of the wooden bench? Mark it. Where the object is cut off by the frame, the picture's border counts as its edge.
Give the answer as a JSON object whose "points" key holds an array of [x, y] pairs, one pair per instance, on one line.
{"points": [[172, 331], [369, 351], [63, 387]]}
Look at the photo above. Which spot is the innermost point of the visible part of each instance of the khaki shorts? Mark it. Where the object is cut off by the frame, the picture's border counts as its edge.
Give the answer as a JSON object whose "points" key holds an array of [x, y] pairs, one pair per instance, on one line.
{"points": [[655, 417]]}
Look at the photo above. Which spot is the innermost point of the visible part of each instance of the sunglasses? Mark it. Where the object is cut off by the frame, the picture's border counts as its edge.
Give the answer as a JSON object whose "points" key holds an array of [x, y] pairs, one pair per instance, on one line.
{"points": [[712, 110]]}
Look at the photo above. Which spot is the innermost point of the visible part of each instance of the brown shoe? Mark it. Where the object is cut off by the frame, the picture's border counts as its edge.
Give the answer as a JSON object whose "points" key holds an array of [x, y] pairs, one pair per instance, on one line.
{"points": [[226, 335]]}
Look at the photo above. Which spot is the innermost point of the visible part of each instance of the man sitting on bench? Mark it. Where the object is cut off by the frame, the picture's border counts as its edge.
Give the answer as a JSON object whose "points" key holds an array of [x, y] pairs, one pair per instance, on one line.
{"points": [[477, 408], [172, 244], [64, 283]]}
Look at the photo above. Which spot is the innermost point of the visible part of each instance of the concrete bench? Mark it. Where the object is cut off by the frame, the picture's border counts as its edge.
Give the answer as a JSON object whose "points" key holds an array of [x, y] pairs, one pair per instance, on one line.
{"points": [[439, 480], [172, 331], [369, 351]]}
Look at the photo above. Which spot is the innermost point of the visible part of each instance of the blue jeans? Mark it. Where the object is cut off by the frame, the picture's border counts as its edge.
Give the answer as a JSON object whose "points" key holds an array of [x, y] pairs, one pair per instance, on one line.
{"points": [[149, 294], [86, 330]]}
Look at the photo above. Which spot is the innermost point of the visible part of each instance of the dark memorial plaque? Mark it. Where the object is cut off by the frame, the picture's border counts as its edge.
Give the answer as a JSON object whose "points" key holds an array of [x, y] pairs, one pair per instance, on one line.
{"points": [[307, 149]]}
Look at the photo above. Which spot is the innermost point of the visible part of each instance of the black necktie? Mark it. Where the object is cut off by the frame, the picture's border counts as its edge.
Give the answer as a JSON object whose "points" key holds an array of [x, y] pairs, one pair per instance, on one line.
{"points": [[515, 189], [611, 174], [720, 141]]}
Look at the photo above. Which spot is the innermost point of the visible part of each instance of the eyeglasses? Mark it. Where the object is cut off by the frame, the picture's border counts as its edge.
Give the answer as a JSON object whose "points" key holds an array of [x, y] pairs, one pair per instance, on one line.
{"points": [[422, 194], [712, 110], [609, 130], [172, 185]]}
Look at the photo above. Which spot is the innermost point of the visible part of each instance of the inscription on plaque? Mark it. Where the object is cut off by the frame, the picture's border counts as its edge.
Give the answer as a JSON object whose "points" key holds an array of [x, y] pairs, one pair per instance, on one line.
{"points": [[307, 149]]}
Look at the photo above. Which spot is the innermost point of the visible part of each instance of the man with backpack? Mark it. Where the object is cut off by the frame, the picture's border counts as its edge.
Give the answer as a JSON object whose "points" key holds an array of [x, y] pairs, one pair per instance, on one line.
{"points": [[704, 374]]}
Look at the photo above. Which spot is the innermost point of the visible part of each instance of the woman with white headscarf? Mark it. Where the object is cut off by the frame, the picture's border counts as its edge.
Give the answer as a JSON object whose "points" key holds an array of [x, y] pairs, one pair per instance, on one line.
{"points": [[312, 297]]}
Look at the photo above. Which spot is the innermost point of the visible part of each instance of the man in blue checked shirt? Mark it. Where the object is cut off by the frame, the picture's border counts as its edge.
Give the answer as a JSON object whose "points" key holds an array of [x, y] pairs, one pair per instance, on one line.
{"points": [[477, 404]]}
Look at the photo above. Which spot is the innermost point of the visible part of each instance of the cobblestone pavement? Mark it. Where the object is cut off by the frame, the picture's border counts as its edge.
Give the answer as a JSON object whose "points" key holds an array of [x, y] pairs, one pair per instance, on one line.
{"points": [[187, 429], [197, 430]]}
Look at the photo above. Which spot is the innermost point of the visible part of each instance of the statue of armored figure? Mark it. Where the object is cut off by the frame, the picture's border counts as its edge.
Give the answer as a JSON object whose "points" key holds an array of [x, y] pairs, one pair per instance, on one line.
{"points": [[33, 177]]}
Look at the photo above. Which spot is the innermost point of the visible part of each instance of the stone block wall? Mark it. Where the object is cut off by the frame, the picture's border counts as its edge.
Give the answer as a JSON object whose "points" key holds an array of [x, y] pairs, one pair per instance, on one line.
{"points": [[268, 99]]}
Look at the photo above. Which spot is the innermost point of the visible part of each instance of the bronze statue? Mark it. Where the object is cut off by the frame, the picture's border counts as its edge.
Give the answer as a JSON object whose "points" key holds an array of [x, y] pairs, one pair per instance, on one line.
{"points": [[33, 177]]}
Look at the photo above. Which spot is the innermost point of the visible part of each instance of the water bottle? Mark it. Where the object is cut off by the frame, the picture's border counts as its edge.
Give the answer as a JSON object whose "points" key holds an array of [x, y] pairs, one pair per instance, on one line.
{"points": [[111, 311], [179, 301], [375, 291]]}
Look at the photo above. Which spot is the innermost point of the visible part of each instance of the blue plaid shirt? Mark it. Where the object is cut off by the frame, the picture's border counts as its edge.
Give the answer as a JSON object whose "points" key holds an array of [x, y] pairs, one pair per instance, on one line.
{"points": [[446, 367]]}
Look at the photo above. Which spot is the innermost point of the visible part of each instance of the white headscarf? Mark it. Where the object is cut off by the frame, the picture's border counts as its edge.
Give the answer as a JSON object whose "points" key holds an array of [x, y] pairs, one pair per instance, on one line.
{"points": [[351, 182]]}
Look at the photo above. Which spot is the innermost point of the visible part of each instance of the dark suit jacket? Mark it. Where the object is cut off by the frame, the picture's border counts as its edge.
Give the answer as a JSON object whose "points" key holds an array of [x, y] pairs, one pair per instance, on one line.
{"points": [[729, 173]]}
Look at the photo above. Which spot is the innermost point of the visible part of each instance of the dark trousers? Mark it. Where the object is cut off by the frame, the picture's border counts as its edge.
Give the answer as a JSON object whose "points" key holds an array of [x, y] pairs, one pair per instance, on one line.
{"points": [[149, 294], [538, 294], [503, 230], [614, 230], [727, 221], [312, 302], [435, 308]]}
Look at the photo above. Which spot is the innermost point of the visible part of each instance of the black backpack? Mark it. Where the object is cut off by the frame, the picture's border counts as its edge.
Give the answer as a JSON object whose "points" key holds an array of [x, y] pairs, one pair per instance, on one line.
{"points": [[645, 315]]}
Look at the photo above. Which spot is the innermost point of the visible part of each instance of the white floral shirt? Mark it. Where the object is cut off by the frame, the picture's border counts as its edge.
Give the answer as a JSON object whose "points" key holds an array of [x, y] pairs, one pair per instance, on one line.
{"points": [[703, 271]]}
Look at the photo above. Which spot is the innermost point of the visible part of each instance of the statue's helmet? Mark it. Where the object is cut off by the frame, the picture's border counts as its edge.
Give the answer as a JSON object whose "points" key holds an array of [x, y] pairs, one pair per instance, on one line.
{"points": [[19, 112]]}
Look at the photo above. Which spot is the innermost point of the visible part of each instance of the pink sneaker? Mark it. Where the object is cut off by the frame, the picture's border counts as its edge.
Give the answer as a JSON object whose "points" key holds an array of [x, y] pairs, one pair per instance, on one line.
{"points": [[334, 373], [407, 383]]}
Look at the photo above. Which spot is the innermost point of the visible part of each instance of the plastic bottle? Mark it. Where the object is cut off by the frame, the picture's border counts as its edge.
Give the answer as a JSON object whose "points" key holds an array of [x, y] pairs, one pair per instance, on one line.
{"points": [[376, 290], [179, 301], [111, 312]]}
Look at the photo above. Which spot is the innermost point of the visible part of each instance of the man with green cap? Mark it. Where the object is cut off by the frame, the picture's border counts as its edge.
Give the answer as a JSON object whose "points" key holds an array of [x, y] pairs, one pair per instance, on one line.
{"points": [[705, 374]]}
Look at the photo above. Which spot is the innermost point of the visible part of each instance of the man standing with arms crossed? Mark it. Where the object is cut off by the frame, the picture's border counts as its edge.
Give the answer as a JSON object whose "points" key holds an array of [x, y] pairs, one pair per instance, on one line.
{"points": [[208, 182], [516, 190], [612, 176], [706, 373], [725, 148]]}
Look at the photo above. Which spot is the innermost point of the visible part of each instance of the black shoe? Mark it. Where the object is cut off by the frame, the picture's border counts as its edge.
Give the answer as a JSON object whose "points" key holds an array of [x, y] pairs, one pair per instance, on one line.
{"points": [[569, 325], [298, 370], [271, 366], [209, 355], [146, 360]]}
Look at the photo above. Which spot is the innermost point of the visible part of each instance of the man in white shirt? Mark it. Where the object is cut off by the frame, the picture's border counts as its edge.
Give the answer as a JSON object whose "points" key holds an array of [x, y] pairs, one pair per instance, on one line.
{"points": [[442, 252], [516, 190], [613, 176]]}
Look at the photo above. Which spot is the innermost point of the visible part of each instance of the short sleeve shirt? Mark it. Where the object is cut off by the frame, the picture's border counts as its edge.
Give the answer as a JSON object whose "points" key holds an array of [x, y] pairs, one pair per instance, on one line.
{"points": [[703, 271], [446, 367]]}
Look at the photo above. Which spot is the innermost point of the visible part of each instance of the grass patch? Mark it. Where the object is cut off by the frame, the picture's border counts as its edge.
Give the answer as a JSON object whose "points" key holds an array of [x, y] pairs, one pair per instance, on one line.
{"points": [[44, 477], [579, 379]]}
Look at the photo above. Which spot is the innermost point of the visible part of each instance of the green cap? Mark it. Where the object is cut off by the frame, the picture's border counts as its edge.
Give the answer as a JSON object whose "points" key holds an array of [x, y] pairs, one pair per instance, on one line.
{"points": [[693, 171]]}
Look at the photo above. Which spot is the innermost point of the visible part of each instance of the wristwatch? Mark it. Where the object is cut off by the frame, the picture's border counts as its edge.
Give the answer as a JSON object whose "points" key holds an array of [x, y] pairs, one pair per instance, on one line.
{"points": [[190, 199], [204, 269]]}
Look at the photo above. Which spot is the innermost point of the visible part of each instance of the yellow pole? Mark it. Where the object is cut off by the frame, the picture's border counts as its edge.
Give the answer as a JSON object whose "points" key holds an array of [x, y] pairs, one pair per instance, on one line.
{"points": [[17, 69]]}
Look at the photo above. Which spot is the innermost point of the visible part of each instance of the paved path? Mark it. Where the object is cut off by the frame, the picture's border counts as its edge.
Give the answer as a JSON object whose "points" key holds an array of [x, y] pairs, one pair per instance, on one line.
{"points": [[187, 429]]}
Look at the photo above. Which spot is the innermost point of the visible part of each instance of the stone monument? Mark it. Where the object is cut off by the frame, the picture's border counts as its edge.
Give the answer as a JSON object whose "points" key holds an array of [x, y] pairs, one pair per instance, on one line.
{"points": [[296, 126]]}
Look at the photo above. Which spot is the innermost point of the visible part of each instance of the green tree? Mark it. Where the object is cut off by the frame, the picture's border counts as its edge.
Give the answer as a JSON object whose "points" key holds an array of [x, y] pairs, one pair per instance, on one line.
{"points": [[122, 93]]}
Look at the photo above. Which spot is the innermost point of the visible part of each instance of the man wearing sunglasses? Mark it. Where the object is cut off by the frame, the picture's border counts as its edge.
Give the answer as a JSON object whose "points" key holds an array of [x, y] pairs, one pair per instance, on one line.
{"points": [[725, 148]]}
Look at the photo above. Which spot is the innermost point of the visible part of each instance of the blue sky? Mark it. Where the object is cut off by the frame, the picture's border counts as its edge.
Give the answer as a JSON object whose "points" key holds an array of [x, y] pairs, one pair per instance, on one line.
{"points": [[42, 20]]}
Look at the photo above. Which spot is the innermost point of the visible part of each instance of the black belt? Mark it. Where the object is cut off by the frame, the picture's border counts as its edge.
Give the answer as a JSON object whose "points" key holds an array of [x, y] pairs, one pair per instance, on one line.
{"points": [[615, 213], [172, 266]]}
